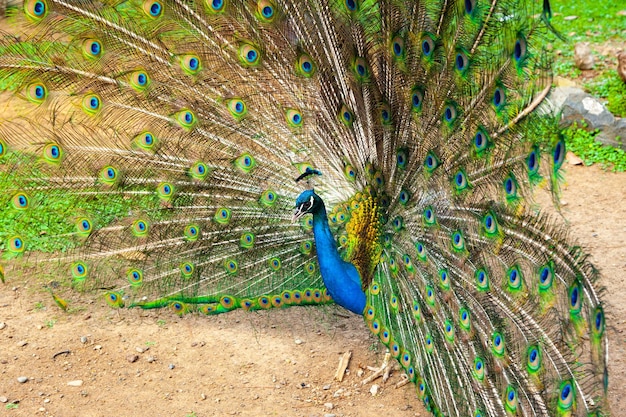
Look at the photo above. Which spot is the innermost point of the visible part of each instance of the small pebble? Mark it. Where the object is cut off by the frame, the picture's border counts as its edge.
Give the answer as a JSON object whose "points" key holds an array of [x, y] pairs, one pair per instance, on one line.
{"points": [[171, 366], [3, 399], [132, 358], [2, 325], [329, 415], [47, 400], [150, 359], [97, 347], [76, 383], [140, 350], [22, 343], [203, 396], [22, 379], [330, 406], [374, 389], [298, 342], [83, 339], [326, 387]]}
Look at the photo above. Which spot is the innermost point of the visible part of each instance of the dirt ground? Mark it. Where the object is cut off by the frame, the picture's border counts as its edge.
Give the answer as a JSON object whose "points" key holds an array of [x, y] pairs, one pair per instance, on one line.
{"points": [[276, 363]]}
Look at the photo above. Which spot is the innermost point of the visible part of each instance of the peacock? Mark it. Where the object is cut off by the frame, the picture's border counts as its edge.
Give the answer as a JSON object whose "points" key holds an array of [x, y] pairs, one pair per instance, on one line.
{"points": [[210, 155]]}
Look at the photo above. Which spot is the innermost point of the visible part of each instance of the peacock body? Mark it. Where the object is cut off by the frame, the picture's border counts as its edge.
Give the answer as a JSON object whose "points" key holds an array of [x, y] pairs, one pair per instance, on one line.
{"points": [[153, 146]]}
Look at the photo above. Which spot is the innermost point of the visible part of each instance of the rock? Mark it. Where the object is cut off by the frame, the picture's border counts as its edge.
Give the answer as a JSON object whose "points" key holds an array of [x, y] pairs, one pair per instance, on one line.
{"points": [[621, 65], [22, 379], [3, 399], [132, 358], [570, 18], [150, 359], [298, 342], [582, 56], [614, 135], [75, 383], [2, 325], [83, 339], [374, 389], [330, 406], [22, 343], [572, 159], [576, 105]]}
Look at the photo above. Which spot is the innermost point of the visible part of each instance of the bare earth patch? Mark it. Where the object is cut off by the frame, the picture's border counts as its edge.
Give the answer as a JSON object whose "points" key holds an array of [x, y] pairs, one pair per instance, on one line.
{"points": [[276, 363]]}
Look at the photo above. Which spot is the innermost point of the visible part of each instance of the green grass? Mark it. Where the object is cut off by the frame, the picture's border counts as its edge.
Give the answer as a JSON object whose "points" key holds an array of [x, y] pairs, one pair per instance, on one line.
{"points": [[49, 224], [582, 143], [597, 22], [610, 87]]}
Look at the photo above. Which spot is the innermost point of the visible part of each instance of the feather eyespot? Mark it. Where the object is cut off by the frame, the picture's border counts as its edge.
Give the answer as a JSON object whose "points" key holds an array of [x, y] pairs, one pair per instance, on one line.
{"points": [[397, 47], [20, 201], [36, 92], [533, 363], [450, 114], [514, 275], [294, 118], [429, 216], [247, 240], [139, 80], [417, 99], [36, 9], [92, 48], [15, 244], [346, 117], [478, 370], [305, 66], [566, 396], [91, 104], [249, 55], [152, 8], [216, 6], [431, 162], [461, 62], [497, 344], [558, 154], [134, 277], [510, 399], [575, 299], [140, 228], [191, 232], [84, 226], [109, 175], [266, 11], [482, 279], [444, 281], [428, 45], [499, 98], [470, 6], [114, 299], [519, 49], [190, 64], [165, 191], [79, 271], [145, 141]]}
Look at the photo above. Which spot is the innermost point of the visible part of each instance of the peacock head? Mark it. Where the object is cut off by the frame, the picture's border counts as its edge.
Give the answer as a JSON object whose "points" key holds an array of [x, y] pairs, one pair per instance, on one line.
{"points": [[307, 202]]}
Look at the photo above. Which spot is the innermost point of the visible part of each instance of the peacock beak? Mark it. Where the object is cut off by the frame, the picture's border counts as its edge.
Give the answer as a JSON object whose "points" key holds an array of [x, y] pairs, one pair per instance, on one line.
{"points": [[298, 213]]}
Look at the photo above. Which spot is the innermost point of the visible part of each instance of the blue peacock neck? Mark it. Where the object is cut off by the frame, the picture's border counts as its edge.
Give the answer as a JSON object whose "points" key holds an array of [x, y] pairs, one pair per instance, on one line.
{"points": [[341, 278]]}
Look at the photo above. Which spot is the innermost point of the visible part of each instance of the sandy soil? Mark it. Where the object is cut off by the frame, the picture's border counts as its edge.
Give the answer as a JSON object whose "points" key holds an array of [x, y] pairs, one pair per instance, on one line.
{"points": [[276, 363]]}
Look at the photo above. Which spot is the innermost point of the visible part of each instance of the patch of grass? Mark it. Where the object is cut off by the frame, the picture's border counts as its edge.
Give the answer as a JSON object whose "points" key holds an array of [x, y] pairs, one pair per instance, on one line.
{"points": [[611, 87], [49, 223], [584, 145], [595, 22]]}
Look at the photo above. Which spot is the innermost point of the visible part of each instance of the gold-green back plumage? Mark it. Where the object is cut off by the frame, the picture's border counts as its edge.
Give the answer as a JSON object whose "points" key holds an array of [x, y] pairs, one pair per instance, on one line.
{"points": [[152, 146]]}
